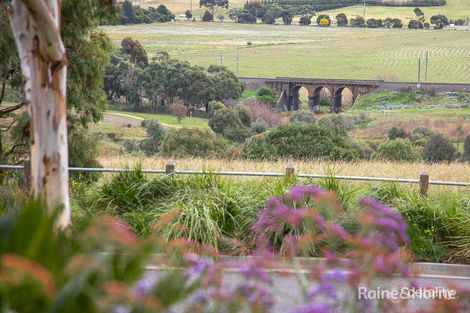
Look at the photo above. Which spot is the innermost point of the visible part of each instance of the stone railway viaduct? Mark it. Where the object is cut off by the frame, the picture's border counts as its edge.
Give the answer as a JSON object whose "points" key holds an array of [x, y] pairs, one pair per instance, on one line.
{"points": [[288, 89]]}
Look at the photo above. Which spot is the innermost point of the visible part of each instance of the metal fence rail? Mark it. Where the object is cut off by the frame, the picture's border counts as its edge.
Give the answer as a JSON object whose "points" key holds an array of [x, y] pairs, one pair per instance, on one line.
{"points": [[423, 180]]}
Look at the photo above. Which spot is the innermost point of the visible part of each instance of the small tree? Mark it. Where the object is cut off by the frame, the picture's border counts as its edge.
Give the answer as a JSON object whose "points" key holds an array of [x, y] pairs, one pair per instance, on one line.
{"points": [[341, 20], [212, 5], [419, 14], [439, 149], [155, 135], [128, 12], [267, 96], [440, 21], [207, 17], [178, 109], [397, 23], [466, 149], [324, 23], [397, 132], [224, 119], [305, 20], [244, 114], [287, 16], [259, 126], [324, 17], [414, 24], [397, 150], [214, 106], [459, 134], [188, 14], [358, 21], [374, 23], [302, 117]]}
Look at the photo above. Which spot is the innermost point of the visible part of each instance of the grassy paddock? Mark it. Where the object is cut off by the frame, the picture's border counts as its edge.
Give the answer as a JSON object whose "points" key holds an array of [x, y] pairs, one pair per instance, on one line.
{"points": [[446, 172], [191, 122], [279, 50]]}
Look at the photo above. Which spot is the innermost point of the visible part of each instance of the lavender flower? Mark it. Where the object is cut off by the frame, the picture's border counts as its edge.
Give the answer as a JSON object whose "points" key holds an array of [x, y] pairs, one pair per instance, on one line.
{"points": [[249, 270], [299, 193], [199, 267], [145, 285]]}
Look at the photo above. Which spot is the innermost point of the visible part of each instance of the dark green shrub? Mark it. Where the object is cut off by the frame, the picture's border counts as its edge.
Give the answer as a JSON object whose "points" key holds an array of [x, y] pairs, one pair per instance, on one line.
{"points": [[207, 17], [374, 23], [305, 20], [259, 126], [439, 149], [187, 142], [336, 124], [267, 96], [419, 136], [214, 106], [396, 150], [132, 190], [244, 114], [224, 119], [466, 149], [302, 117], [309, 142], [155, 134], [358, 21], [237, 134], [397, 132], [341, 20], [258, 148]]}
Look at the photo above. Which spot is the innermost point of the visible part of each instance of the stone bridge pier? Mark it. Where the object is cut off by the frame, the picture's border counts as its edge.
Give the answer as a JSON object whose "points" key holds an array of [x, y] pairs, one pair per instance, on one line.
{"points": [[288, 89]]}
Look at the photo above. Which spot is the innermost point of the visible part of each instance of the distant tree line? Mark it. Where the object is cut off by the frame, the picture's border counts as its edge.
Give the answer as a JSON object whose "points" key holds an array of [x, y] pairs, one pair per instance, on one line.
{"points": [[134, 14], [270, 13], [322, 5], [155, 85]]}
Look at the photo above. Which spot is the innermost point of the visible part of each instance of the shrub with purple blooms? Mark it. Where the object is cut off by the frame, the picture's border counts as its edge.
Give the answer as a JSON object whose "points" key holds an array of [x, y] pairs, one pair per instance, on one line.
{"points": [[103, 269]]}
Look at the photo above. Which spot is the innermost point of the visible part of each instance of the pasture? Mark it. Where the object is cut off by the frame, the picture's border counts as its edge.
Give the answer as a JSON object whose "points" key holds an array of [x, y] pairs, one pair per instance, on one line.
{"points": [[279, 50]]}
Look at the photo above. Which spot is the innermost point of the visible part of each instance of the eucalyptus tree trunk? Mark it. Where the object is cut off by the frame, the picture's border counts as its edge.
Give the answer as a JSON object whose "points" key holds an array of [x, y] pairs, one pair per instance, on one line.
{"points": [[36, 29]]}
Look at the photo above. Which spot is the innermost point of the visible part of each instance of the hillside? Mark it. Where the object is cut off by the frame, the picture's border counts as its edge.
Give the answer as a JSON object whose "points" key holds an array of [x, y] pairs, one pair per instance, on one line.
{"points": [[278, 50]]}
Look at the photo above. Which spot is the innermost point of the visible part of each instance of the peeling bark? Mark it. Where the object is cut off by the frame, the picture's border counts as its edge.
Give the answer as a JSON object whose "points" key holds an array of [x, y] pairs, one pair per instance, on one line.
{"points": [[35, 25]]}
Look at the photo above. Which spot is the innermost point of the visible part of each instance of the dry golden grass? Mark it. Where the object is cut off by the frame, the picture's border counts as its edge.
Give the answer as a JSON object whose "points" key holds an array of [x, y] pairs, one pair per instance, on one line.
{"points": [[459, 172]]}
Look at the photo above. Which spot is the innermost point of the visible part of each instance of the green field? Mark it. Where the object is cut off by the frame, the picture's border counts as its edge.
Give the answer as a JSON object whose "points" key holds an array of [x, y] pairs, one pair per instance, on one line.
{"points": [[191, 122], [279, 50]]}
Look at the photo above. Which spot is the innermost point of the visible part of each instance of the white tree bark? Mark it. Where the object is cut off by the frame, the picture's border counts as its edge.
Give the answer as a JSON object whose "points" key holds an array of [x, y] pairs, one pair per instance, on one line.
{"points": [[36, 28]]}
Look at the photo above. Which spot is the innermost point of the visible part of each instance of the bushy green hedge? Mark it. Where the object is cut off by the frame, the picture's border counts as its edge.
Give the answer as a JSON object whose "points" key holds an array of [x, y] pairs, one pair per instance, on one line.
{"points": [[439, 149], [300, 142], [192, 142], [397, 150]]}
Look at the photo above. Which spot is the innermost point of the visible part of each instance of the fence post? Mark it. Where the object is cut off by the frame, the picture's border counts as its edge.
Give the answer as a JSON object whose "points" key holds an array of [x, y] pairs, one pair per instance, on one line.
{"points": [[290, 170], [170, 168], [423, 184], [27, 175]]}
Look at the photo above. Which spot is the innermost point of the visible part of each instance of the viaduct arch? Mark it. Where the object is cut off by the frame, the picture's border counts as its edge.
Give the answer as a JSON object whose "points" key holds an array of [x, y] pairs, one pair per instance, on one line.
{"points": [[288, 88]]}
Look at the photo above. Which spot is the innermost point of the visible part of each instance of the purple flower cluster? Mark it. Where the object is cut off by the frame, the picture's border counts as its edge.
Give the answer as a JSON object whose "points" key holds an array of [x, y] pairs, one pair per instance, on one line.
{"points": [[300, 193], [276, 213], [200, 268], [391, 226], [145, 285]]}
